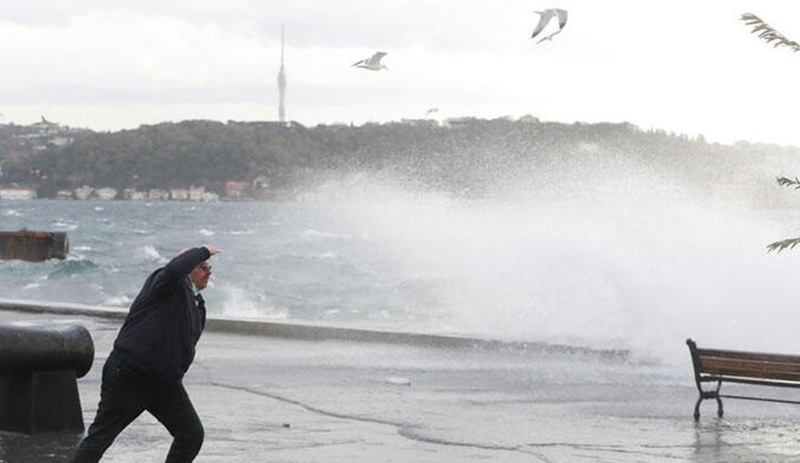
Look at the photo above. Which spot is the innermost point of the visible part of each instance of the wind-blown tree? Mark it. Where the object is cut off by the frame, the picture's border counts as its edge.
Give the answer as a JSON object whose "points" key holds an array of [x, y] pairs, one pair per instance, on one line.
{"points": [[768, 34], [788, 243]]}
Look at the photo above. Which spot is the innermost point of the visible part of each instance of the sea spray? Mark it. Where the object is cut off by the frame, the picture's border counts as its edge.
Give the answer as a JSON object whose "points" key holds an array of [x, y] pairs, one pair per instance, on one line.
{"points": [[636, 262], [599, 255]]}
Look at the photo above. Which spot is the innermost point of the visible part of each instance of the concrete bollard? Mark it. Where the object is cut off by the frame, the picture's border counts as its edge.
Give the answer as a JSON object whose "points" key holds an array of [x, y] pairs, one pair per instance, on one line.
{"points": [[38, 372]]}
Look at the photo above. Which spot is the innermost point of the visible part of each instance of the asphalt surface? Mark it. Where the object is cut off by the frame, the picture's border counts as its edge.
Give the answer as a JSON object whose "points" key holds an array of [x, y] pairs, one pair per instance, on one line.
{"points": [[278, 399]]}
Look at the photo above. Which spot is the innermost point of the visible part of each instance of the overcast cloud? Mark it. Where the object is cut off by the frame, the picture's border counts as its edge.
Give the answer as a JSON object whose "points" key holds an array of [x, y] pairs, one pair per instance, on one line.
{"points": [[683, 66]]}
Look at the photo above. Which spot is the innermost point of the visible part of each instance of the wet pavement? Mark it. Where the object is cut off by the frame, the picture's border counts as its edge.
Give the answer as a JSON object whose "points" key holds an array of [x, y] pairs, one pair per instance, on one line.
{"points": [[273, 399]]}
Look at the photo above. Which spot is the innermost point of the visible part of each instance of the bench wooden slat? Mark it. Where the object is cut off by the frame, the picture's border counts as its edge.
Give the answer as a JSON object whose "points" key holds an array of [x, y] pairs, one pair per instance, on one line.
{"points": [[748, 366], [720, 353], [744, 373], [759, 382]]}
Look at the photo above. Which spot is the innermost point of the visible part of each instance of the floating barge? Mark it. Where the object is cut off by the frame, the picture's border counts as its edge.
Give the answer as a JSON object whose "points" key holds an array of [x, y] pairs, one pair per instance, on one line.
{"points": [[34, 246]]}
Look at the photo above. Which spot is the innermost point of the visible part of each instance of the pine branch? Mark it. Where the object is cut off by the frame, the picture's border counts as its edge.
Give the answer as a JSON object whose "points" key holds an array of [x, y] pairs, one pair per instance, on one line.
{"points": [[790, 243], [783, 181], [779, 246], [767, 33]]}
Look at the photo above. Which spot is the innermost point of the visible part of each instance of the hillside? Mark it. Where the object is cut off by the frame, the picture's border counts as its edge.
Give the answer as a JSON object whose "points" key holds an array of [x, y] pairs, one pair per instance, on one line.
{"points": [[468, 157]]}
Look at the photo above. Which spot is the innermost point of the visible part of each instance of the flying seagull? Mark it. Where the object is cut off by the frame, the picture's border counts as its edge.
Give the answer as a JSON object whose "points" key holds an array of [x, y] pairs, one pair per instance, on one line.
{"points": [[372, 63], [545, 17]]}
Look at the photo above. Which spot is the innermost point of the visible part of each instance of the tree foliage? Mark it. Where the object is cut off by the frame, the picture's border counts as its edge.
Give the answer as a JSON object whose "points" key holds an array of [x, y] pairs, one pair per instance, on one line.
{"points": [[772, 36], [465, 157], [768, 33]]}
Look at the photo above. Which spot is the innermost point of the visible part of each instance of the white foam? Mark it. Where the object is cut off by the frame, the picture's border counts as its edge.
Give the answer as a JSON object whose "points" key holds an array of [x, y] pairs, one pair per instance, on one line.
{"points": [[619, 264], [65, 224], [151, 253], [239, 303], [117, 301]]}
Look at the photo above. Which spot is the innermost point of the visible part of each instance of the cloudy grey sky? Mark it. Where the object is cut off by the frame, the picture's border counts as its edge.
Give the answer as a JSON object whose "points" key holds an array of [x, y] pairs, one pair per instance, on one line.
{"points": [[683, 66]]}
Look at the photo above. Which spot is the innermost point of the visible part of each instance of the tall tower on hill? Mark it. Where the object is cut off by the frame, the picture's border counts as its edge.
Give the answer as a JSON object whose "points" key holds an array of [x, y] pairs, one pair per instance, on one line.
{"points": [[282, 87]]}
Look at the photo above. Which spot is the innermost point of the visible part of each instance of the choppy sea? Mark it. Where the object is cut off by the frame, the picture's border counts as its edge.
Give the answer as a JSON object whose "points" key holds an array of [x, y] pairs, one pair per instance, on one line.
{"points": [[617, 274]]}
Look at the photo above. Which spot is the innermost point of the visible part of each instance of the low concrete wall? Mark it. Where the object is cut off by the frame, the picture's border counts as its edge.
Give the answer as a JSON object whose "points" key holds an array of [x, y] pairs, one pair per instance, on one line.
{"points": [[317, 332]]}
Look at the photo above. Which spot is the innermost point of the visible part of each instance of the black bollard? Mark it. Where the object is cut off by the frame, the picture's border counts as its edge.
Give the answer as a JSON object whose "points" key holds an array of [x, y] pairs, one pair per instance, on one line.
{"points": [[38, 372]]}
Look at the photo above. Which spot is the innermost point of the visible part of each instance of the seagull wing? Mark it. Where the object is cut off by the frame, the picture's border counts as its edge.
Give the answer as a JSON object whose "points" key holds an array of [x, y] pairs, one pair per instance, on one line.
{"points": [[375, 60], [562, 17], [543, 20]]}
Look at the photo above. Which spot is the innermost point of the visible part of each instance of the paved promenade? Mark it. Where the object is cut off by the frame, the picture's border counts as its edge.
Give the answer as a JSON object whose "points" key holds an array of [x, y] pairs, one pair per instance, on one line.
{"points": [[275, 399]]}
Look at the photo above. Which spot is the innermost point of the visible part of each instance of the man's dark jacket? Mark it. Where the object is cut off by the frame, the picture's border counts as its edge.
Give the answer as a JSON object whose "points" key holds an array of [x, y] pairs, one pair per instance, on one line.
{"points": [[165, 321]]}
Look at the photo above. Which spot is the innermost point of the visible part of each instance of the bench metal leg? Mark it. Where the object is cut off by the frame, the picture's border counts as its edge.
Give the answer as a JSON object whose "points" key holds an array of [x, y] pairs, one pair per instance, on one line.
{"points": [[697, 408], [708, 395]]}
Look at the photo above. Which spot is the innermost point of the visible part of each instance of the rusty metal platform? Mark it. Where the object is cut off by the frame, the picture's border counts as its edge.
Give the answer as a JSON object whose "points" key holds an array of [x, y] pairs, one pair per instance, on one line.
{"points": [[34, 246]]}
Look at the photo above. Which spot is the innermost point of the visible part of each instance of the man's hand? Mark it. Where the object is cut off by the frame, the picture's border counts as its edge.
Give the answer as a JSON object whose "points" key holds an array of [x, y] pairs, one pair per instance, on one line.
{"points": [[211, 248]]}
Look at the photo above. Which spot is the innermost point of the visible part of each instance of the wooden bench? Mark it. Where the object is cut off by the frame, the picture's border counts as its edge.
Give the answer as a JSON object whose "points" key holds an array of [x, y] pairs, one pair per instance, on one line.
{"points": [[730, 366]]}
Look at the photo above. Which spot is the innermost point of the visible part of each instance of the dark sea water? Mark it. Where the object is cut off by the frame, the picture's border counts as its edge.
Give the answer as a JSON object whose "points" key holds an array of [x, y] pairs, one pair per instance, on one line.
{"points": [[633, 272], [279, 260]]}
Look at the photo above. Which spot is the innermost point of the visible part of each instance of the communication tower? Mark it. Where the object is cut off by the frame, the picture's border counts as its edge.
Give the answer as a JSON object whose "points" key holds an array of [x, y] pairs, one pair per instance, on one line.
{"points": [[282, 87]]}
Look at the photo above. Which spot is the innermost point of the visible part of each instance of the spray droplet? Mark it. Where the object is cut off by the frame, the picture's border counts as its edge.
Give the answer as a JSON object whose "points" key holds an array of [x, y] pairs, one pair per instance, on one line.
{"points": [[401, 380]]}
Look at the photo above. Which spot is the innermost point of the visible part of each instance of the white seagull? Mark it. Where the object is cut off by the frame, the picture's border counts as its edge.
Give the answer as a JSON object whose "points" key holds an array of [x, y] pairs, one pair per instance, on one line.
{"points": [[372, 63], [545, 17]]}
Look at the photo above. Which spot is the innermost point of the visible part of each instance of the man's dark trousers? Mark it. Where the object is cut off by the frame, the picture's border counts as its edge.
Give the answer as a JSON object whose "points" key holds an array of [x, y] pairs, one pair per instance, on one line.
{"points": [[125, 394]]}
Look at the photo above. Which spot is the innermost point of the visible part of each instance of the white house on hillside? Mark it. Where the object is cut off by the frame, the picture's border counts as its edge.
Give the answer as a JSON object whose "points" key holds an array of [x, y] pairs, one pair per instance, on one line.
{"points": [[17, 192]]}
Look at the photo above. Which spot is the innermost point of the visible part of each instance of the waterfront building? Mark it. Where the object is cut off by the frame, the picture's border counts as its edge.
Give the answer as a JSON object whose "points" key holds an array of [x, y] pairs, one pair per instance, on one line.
{"points": [[157, 194], [133, 194], [196, 193], [17, 192], [209, 197], [83, 192], [179, 194], [106, 194], [64, 194], [236, 189]]}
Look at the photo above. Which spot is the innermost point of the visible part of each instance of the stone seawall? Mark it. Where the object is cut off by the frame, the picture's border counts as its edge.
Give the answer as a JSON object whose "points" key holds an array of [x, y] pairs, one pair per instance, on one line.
{"points": [[318, 332]]}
